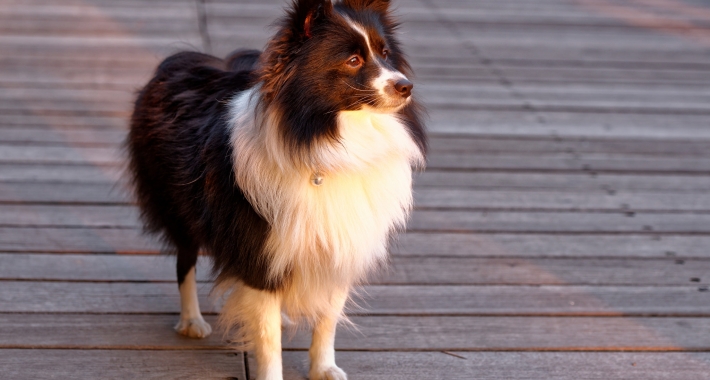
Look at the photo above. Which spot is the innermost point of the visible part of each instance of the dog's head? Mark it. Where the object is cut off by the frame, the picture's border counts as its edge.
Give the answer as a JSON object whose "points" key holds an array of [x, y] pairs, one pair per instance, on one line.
{"points": [[330, 57]]}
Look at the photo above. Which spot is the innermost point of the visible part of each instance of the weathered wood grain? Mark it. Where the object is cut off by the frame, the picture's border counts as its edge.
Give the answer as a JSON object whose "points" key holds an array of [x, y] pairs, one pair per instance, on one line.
{"points": [[561, 123], [111, 331], [432, 197], [573, 200], [548, 162], [89, 240], [53, 135], [679, 301], [402, 270], [61, 155], [110, 364], [560, 245], [50, 193], [611, 183], [570, 162], [439, 144], [635, 185], [107, 331], [122, 216], [75, 122], [548, 222], [73, 174], [100, 268], [510, 365], [69, 216], [443, 144], [121, 364]]}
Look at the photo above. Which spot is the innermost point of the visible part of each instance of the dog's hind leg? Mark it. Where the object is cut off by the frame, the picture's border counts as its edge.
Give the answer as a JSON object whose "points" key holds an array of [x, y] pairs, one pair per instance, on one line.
{"points": [[191, 322], [322, 351]]}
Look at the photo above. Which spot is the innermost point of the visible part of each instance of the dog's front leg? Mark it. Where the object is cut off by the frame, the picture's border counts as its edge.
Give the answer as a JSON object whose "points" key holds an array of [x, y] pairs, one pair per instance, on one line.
{"points": [[322, 351], [261, 311]]}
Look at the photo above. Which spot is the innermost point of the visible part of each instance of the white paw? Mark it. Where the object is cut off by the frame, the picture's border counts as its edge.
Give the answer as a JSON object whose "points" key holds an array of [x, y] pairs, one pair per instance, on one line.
{"points": [[194, 328], [330, 373]]}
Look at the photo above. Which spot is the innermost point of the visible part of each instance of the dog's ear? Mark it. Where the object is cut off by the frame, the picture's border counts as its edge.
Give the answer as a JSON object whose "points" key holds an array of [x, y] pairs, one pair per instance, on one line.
{"points": [[375, 5], [307, 14]]}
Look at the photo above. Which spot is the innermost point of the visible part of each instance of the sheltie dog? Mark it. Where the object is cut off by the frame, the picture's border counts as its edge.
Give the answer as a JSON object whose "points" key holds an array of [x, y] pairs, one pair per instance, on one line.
{"points": [[291, 167]]}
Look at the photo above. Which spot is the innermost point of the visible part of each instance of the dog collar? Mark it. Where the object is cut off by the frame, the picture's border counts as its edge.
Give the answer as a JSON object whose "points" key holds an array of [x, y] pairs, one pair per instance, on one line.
{"points": [[317, 178]]}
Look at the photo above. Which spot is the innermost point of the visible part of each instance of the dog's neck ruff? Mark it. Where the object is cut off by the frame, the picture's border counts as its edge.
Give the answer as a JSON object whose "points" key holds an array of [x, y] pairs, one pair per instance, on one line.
{"points": [[332, 213]]}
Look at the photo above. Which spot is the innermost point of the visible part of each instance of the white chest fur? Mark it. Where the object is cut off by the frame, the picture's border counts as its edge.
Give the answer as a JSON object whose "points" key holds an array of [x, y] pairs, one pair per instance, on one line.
{"points": [[328, 235]]}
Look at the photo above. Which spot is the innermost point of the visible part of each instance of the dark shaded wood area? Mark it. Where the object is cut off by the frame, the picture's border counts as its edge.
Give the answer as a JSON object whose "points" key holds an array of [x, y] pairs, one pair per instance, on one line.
{"points": [[561, 230]]}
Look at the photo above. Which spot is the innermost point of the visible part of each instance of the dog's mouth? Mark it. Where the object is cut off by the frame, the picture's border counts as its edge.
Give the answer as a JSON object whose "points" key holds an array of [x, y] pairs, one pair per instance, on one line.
{"points": [[391, 104]]}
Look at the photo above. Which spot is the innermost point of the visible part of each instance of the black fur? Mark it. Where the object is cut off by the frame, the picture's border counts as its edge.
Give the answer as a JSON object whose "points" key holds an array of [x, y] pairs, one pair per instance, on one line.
{"points": [[180, 155], [182, 164]]}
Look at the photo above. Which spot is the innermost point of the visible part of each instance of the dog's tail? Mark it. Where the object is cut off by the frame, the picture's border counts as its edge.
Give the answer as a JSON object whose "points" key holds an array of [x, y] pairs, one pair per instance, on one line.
{"points": [[242, 60]]}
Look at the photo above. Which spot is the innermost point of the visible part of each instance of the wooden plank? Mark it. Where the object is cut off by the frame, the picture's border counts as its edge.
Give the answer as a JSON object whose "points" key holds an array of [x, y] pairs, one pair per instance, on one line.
{"points": [[516, 333], [566, 246], [569, 124], [568, 162], [61, 136], [110, 364], [61, 173], [110, 331], [60, 75], [612, 183], [69, 216], [510, 365], [560, 16], [536, 300], [573, 200], [53, 193], [61, 155], [460, 160], [402, 270], [548, 222], [106, 58], [449, 88], [439, 197], [75, 122], [502, 52], [533, 271], [118, 364], [122, 216], [101, 268], [489, 300], [481, 144], [438, 143], [637, 184], [105, 332], [92, 97], [91, 240], [519, 245]]}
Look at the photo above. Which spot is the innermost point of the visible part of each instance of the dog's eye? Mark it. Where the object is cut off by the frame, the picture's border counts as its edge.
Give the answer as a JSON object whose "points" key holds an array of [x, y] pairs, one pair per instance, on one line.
{"points": [[355, 61], [385, 53]]}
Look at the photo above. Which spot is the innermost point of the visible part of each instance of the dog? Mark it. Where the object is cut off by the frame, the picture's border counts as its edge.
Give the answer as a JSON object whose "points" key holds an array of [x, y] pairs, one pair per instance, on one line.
{"points": [[291, 167]]}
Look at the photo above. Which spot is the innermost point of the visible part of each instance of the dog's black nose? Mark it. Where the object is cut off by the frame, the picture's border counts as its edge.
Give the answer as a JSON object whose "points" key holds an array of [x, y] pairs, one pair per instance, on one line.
{"points": [[404, 87]]}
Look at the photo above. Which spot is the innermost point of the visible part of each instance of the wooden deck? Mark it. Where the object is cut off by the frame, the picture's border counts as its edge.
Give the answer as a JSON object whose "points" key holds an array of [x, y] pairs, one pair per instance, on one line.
{"points": [[562, 229]]}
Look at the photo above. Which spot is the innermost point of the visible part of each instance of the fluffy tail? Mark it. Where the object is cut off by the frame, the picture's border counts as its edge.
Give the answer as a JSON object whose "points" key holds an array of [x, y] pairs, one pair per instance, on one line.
{"points": [[242, 60]]}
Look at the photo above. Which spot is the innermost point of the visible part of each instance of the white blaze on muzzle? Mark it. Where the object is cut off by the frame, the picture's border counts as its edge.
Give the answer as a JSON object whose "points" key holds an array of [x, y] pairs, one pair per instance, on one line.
{"points": [[386, 82]]}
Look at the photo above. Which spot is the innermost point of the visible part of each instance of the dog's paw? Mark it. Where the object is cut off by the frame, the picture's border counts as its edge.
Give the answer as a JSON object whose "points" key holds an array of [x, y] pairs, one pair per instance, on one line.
{"points": [[330, 373], [194, 328]]}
